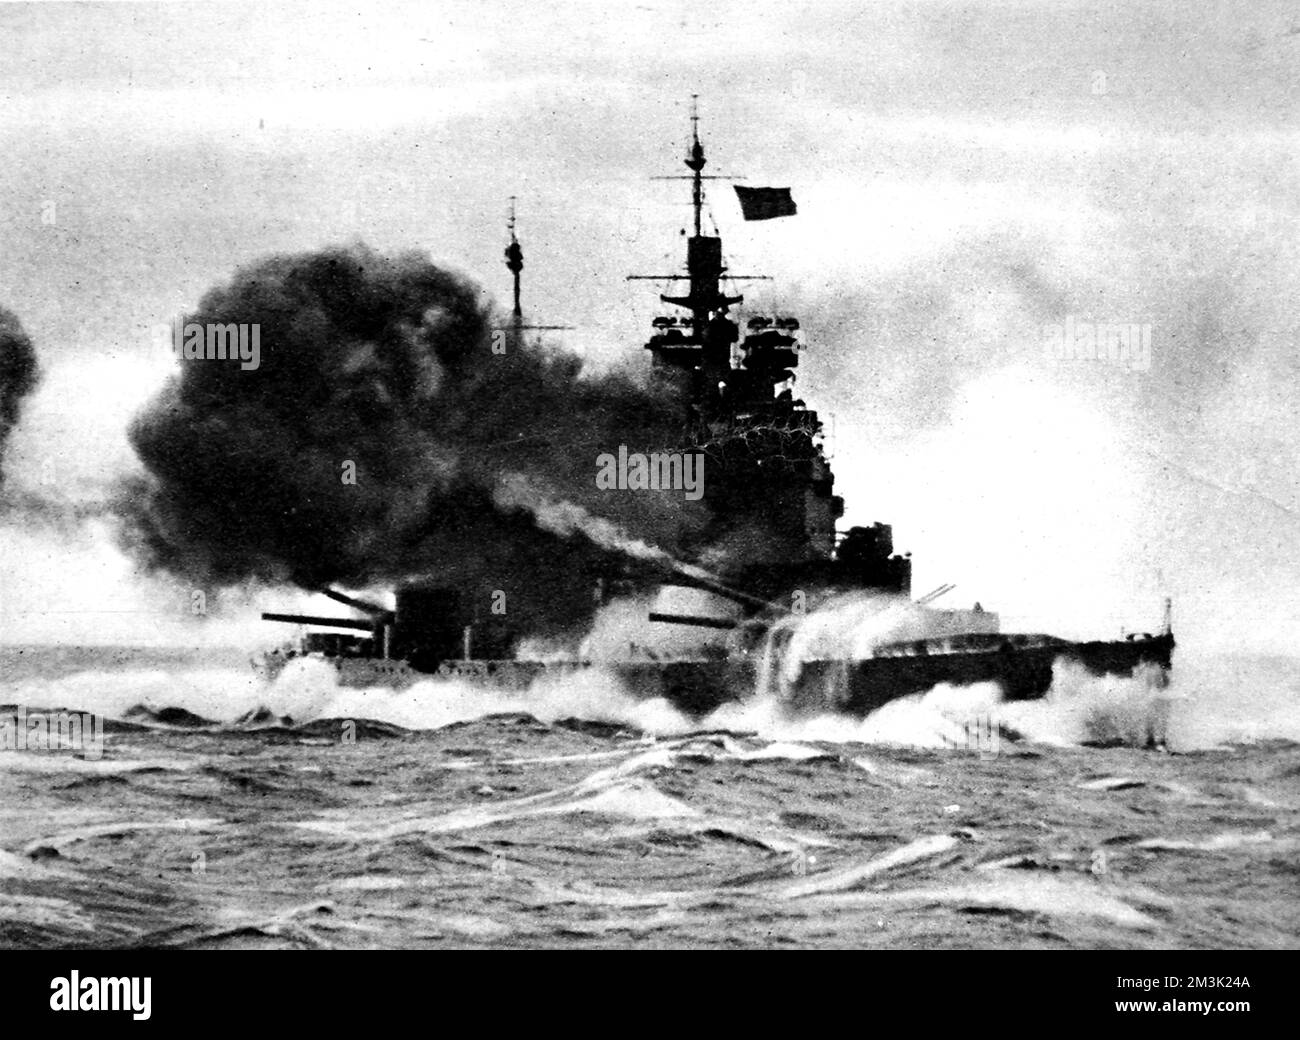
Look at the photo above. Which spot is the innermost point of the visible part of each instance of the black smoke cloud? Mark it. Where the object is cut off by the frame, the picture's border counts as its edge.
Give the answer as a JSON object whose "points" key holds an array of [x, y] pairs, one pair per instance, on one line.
{"points": [[18, 373], [386, 364]]}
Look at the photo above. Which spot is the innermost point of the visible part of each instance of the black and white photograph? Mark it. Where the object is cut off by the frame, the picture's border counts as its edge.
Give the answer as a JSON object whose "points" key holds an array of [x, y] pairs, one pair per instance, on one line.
{"points": [[749, 475]]}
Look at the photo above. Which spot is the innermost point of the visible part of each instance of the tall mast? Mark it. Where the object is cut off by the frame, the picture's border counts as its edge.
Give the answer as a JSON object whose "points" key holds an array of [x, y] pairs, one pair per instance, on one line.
{"points": [[703, 252], [515, 263], [695, 162], [704, 265]]}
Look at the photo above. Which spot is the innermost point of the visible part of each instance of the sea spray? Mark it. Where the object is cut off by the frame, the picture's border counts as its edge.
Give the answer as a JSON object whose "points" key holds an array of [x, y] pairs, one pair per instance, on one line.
{"points": [[1209, 702]]}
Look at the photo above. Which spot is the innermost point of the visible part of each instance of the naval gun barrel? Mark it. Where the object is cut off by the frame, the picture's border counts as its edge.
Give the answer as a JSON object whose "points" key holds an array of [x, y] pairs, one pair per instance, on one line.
{"points": [[693, 619], [304, 619], [690, 577], [934, 594], [362, 605]]}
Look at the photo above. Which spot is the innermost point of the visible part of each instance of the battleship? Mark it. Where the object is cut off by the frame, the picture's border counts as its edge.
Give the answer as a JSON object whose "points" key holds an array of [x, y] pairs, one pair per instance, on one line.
{"points": [[733, 373]]}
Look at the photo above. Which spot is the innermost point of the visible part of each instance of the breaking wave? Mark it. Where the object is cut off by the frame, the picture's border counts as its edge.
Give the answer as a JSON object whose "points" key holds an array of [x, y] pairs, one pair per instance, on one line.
{"points": [[1208, 703]]}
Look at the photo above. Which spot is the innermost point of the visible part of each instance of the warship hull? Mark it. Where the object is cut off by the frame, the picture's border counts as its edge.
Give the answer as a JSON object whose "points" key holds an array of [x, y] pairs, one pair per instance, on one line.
{"points": [[854, 687]]}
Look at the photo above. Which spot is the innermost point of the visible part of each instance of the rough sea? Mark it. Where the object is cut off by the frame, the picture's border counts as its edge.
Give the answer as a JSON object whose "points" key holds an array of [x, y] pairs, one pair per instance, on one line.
{"points": [[224, 813]]}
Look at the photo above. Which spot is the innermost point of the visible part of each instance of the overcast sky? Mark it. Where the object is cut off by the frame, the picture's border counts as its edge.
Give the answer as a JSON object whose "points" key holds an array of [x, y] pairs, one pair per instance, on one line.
{"points": [[966, 174]]}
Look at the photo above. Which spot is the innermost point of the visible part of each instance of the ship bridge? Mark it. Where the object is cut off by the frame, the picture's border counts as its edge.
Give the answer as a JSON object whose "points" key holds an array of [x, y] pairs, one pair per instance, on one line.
{"points": [[761, 446]]}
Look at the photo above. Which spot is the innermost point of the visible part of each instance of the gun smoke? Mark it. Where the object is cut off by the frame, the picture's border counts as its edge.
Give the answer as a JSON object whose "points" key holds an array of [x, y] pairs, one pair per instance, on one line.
{"points": [[18, 373], [383, 367]]}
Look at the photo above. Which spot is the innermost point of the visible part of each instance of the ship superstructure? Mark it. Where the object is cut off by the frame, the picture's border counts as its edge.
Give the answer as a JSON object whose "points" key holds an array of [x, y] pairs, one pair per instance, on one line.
{"points": [[762, 446]]}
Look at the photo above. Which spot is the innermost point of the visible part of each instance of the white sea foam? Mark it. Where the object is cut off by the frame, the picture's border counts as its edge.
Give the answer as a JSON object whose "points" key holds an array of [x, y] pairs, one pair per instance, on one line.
{"points": [[1208, 702]]}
